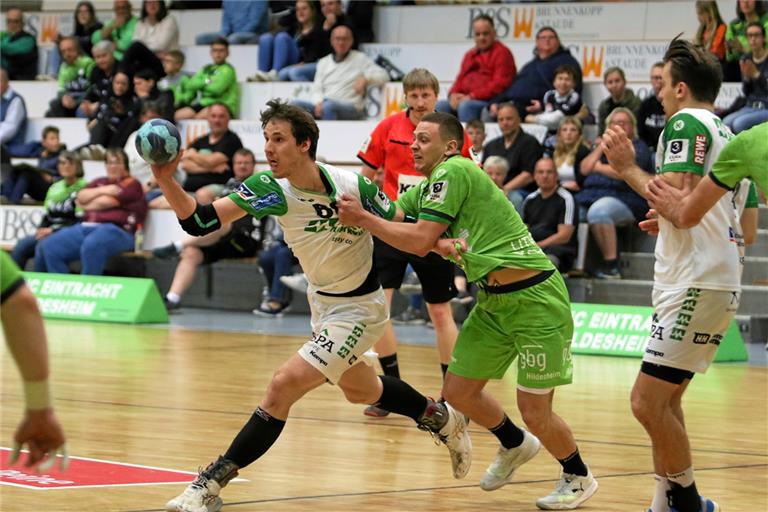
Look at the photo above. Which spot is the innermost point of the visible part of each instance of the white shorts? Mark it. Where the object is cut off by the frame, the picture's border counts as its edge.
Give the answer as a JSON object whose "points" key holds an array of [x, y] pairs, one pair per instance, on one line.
{"points": [[343, 331], [688, 326]]}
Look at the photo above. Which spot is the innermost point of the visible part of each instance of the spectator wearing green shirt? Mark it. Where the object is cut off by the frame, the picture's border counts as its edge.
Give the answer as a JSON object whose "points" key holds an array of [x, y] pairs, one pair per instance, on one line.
{"points": [[736, 42], [19, 55], [119, 29], [74, 74], [60, 207], [215, 83]]}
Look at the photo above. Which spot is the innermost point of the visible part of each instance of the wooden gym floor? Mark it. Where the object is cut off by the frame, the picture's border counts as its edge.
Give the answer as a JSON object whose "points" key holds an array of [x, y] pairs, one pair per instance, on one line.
{"points": [[174, 398]]}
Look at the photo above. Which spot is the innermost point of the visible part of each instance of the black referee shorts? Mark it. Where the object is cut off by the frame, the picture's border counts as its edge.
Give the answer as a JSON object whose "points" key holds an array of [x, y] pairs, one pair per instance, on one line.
{"points": [[435, 273]]}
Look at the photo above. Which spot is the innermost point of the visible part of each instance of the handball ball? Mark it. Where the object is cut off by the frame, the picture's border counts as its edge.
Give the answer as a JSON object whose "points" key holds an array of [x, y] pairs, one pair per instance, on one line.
{"points": [[158, 141]]}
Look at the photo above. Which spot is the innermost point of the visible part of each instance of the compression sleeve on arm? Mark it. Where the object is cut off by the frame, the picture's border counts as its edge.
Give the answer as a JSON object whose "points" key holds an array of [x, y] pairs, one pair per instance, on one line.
{"points": [[203, 221]]}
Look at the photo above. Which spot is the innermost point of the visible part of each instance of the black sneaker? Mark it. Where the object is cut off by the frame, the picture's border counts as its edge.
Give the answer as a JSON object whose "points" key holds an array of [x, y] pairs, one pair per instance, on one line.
{"points": [[171, 306], [165, 252], [608, 273], [269, 310]]}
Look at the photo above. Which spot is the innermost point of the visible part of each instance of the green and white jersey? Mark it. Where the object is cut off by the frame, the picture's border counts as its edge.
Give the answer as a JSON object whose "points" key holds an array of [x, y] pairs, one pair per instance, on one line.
{"points": [[707, 255], [460, 194], [335, 258]]}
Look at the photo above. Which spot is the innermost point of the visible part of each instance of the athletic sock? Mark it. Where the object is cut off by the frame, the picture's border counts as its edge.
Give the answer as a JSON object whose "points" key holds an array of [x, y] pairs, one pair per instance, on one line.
{"points": [[683, 495], [256, 437], [173, 297], [660, 501], [399, 397], [509, 434], [444, 369], [389, 366], [573, 465]]}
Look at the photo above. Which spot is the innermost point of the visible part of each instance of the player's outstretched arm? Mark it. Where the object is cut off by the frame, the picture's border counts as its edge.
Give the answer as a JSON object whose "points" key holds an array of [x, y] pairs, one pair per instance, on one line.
{"points": [[419, 238], [39, 430]]}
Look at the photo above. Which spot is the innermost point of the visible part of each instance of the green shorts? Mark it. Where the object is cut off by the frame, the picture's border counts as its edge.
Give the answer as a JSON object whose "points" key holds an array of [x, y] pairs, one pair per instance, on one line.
{"points": [[533, 325]]}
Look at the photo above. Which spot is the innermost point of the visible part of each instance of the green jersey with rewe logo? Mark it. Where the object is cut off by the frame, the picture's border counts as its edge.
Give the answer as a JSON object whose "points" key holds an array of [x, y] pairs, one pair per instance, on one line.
{"points": [[460, 194]]}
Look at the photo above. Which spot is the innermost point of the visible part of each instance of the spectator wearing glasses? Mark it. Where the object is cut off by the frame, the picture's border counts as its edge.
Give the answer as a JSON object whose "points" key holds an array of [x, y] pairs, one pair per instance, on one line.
{"points": [[19, 54]]}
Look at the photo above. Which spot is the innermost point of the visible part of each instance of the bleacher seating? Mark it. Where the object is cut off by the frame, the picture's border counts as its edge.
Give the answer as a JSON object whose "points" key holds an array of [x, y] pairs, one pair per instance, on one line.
{"points": [[599, 35]]}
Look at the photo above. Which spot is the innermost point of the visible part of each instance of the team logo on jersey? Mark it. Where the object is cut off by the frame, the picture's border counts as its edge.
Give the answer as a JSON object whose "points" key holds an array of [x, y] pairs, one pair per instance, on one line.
{"points": [[244, 192], [264, 178], [699, 149], [679, 125], [677, 151], [437, 191], [265, 201]]}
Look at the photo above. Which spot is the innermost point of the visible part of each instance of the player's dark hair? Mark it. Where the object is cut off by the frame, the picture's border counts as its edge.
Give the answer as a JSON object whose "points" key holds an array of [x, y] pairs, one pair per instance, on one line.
{"points": [[450, 127], [696, 67], [303, 125]]}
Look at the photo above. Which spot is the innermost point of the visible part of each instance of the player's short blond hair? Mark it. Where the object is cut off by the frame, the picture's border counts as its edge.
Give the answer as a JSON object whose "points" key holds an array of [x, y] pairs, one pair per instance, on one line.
{"points": [[418, 78]]}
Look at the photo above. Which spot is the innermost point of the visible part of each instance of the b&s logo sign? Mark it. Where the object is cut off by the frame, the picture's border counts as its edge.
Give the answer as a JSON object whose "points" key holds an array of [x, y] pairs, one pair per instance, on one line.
{"points": [[521, 23]]}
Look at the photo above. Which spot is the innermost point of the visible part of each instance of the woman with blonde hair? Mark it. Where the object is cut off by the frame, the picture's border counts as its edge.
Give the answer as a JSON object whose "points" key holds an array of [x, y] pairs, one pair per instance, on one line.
{"points": [[711, 33], [570, 150]]}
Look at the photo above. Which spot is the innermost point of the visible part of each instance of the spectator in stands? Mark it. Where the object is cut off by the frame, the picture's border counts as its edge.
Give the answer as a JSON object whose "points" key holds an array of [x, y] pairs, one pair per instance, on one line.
{"points": [[570, 150], [241, 23], [13, 119], [19, 54], [275, 261], [208, 159], [736, 42], [119, 29], [214, 83], [359, 17], [521, 151], [341, 80], [157, 28], [476, 132], [116, 116], [85, 24], [754, 77], [711, 32], [536, 77], [486, 70], [35, 180], [292, 54], [551, 215], [608, 200], [100, 88], [114, 206], [496, 167], [557, 103], [60, 208], [173, 64], [620, 96], [234, 240], [650, 116], [74, 74], [145, 88]]}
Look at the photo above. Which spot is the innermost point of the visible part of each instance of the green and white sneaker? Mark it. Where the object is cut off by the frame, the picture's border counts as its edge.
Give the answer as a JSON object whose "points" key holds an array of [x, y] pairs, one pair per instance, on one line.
{"points": [[453, 434], [501, 471], [570, 492]]}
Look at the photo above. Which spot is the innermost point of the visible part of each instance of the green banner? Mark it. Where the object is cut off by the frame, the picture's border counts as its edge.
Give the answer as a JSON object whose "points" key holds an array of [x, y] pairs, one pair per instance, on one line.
{"points": [[97, 298], [623, 331]]}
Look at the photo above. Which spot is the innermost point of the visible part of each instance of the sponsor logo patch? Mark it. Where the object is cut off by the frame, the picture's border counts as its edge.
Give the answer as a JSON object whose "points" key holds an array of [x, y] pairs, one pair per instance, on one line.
{"points": [[677, 151], [265, 201], [437, 191], [699, 149], [701, 338], [244, 192]]}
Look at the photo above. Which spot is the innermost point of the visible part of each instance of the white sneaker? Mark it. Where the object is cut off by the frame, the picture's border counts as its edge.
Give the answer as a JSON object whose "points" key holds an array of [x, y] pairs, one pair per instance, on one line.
{"points": [[570, 492], [455, 436], [202, 495], [296, 282], [501, 471]]}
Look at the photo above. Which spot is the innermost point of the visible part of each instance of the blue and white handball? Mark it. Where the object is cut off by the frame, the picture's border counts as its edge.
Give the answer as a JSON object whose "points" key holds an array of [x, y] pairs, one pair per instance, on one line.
{"points": [[158, 141]]}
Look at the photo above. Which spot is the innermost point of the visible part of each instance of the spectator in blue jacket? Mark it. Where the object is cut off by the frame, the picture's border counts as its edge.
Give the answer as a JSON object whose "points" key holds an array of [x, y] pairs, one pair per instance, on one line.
{"points": [[537, 76], [13, 119], [241, 23]]}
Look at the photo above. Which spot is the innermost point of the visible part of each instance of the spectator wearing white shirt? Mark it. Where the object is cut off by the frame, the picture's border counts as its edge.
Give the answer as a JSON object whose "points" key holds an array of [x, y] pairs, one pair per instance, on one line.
{"points": [[156, 28], [342, 77]]}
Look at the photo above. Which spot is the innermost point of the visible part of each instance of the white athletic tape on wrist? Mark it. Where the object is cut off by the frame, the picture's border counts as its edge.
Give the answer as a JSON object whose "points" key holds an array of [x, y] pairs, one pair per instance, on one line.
{"points": [[37, 395]]}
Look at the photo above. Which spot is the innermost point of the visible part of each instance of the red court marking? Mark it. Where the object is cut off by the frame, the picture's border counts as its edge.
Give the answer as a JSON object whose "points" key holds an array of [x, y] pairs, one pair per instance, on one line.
{"points": [[83, 472]]}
